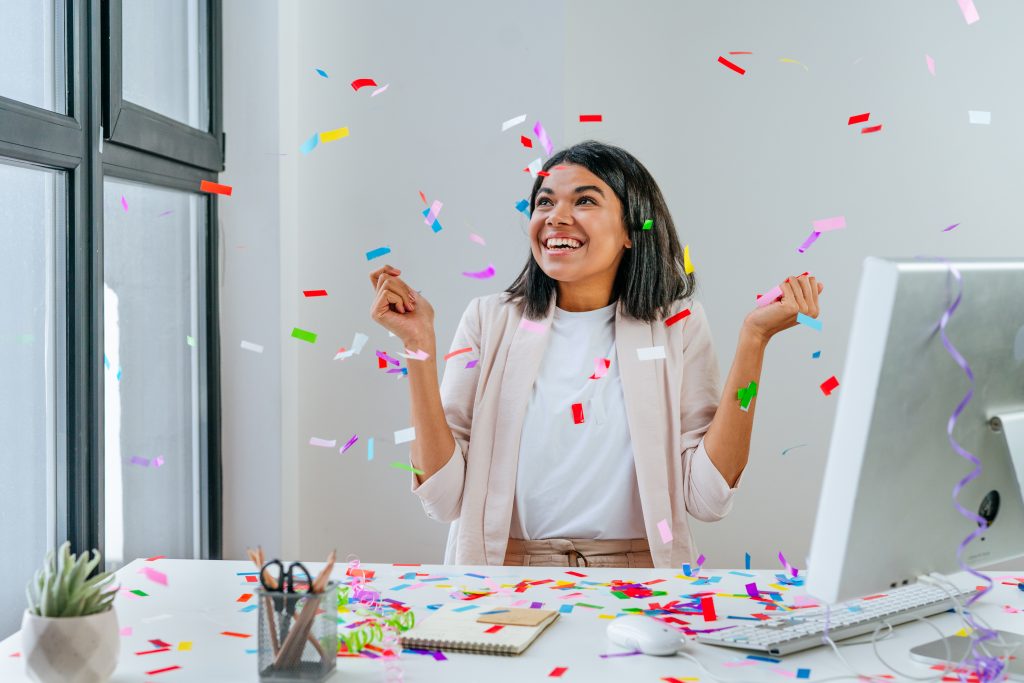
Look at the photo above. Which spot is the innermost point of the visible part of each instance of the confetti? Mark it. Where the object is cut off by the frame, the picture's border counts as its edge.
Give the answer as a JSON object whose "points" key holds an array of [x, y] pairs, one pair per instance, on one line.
{"points": [[435, 209], [420, 354], [379, 90], [601, 366], [332, 135], [725, 62], [825, 224], [369, 448], [322, 443], [558, 671], [577, 413], [651, 353], [495, 628], [746, 395], [378, 252], [746, 560], [314, 292], [436, 224], [858, 118], [809, 321], [931, 64], [687, 264], [523, 206], [154, 575], [969, 11], [363, 82], [185, 646], [770, 296], [350, 443], [477, 238], [214, 188], [310, 144], [487, 272], [235, 634], [787, 451], [124, 203], [591, 118], [456, 352], [249, 346], [542, 137], [685, 313], [950, 227], [752, 590], [358, 342], [535, 167], [405, 435], [304, 335], [322, 73], [163, 670], [158, 461], [648, 224], [871, 129], [787, 60], [816, 354], [792, 570], [809, 241], [140, 461], [982, 118], [512, 122], [829, 385], [665, 531], [526, 142]]}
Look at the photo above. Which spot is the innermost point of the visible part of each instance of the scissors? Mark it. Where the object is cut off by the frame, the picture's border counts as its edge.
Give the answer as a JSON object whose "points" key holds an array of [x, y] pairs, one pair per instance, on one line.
{"points": [[285, 582]]}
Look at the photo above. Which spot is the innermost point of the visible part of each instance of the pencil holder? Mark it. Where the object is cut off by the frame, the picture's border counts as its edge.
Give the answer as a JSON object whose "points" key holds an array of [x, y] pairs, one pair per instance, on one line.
{"points": [[298, 634]]}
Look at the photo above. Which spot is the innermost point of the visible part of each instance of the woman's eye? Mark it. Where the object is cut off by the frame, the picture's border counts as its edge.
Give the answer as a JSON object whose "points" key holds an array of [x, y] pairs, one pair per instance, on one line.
{"points": [[587, 199], [542, 201]]}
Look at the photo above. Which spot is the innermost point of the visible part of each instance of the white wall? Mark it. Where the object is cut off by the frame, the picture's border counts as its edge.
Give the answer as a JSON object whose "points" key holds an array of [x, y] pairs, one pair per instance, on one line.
{"points": [[746, 163]]}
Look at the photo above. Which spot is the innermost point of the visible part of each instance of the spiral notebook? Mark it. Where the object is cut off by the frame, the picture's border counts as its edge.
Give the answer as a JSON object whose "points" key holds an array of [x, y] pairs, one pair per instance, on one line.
{"points": [[462, 631]]}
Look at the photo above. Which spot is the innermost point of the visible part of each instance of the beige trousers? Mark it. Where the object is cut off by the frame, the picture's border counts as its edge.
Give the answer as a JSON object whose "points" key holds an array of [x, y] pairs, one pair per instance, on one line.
{"points": [[577, 552]]}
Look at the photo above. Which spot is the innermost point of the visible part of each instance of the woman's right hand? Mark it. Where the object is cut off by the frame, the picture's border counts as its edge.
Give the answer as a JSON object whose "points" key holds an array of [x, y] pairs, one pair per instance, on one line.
{"points": [[400, 310]]}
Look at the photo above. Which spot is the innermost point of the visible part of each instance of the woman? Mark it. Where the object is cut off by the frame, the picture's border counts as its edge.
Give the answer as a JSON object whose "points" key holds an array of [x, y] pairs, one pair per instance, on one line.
{"points": [[591, 425]]}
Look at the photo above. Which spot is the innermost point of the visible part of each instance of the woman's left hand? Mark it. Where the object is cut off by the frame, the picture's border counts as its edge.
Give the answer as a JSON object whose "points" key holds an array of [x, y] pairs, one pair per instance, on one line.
{"points": [[799, 295]]}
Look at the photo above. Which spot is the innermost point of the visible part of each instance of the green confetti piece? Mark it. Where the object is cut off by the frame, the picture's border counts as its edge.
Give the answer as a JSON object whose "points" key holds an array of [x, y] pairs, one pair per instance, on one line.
{"points": [[190, 341], [746, 395], [648, 224], [141, 594], [304, 335], [407, 468], [585, 604]]}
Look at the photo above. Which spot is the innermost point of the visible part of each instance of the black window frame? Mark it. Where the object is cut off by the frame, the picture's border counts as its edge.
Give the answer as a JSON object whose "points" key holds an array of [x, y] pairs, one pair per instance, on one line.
{"points": [[80, 145]]}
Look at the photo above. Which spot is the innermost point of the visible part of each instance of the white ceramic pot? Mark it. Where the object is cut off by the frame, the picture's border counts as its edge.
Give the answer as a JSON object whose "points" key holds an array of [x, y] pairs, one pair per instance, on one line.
{"points": [[70, 649]]}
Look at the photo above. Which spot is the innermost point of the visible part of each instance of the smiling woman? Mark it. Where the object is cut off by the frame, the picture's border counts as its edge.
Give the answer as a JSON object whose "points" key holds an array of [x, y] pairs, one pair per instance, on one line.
{"points": [[593, 423]]}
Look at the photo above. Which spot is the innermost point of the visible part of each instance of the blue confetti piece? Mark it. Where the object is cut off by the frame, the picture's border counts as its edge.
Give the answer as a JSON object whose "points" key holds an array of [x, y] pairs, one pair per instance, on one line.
{"points": [[249, 608], [399, 587], [476, 576], [369, 449], [310, 144], [809, 321], [119, 374], [464, 608], [686, 569], [436, 227], [803, 673], [746, 561], [252, 651], [816, 354], [106, 362], [759, 658], [523, 206], [565, 609], [322, 72], [495, 611], [380, 251]]}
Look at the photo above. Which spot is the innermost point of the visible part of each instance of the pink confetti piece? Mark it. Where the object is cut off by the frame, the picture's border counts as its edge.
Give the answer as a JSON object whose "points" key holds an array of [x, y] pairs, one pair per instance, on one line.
{"points": [[601, 366], [743, 662], [124, 203], [532, 326], [809, 241], [158, 461], [542, 137], [487, 272], [931, 64], [970, 12], [665, 531], [322, 443], [770, 296], [825, 224], [419, 354], [435, 209], [154, 575], [477, 238], [125, 631]]}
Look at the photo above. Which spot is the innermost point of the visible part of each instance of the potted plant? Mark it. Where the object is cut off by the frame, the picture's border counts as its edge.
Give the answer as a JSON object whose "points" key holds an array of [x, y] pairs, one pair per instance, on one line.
{"points": [[69, 633]]}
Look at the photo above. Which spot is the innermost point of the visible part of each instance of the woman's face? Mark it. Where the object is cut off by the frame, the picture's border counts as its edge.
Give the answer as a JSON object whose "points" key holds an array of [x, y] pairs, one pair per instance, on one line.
{"points": [[574, 203]]}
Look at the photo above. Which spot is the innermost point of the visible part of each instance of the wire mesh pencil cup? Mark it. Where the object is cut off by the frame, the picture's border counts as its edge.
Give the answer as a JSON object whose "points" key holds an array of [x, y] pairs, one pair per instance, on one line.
{"points": [[298, 634]]}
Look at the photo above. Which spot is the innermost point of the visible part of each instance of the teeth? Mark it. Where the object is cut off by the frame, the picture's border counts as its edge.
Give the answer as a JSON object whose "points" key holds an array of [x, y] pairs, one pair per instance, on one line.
{"points": [[563, 241]]}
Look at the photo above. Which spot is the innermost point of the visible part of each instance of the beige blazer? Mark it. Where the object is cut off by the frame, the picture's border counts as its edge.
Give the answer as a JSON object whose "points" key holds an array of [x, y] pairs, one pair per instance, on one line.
{"points": [[670, 403]]}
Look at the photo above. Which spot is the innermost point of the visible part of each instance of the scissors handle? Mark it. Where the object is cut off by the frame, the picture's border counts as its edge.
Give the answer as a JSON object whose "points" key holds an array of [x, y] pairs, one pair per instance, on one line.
{"points": [[291, 578], [265, 571]]}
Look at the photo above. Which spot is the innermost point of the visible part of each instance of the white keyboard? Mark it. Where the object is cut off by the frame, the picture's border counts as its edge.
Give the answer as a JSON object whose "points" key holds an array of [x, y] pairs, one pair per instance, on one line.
{"points": [[802, 629]]}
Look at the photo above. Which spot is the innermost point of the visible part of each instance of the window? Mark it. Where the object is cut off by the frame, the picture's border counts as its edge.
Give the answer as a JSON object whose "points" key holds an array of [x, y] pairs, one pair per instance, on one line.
{"points": [[92, 281]]}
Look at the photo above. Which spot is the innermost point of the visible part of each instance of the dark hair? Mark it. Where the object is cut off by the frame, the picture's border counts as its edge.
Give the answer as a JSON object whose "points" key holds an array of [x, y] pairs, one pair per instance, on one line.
{"points": [[651, 275]]}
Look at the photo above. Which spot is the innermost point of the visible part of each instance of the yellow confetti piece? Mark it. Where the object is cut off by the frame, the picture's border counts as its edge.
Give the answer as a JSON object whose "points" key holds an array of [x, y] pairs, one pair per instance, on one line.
{"points": [[605, 616], [787, 60], [336, 134], [185, 646], [687, 264], [962, 633]]}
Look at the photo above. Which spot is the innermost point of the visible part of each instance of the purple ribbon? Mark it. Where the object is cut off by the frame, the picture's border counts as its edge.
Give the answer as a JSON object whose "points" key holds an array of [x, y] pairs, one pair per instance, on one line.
{"points": [[986, 667]]}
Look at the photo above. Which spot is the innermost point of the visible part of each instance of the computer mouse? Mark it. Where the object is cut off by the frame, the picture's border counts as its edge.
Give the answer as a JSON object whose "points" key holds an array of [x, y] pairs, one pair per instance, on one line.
{"points": [[648, 635]]}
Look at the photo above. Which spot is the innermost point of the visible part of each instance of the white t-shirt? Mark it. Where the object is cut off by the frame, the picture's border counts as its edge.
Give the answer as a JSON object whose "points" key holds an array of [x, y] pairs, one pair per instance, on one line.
{"points": [[577, 480]]}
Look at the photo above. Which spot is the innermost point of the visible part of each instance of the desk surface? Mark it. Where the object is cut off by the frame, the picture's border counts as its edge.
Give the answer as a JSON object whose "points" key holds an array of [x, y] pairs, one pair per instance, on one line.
{"points": [[201, 601]]}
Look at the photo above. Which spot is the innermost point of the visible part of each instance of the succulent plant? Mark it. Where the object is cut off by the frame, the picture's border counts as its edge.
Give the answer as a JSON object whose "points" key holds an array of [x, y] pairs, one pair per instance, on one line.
{"points": [[63, 588]]}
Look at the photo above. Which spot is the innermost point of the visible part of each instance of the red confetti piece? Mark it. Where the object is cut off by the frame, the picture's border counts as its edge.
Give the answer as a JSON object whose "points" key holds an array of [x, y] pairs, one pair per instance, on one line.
{"points": [[677, 317], [160, 557], [314, 292], [457, 352], [159, 643], [154, 672], [495, 628], [366, 573], [829, 385], [244, 597], [738, 69], [871, 129], [527, 142], [149, 652], [543, 174], [707, 608], [607, 364], [582, 576], [214, 188], [251, 579], [577, 413], [859, 118], [236, 635], [558, 671], [739, 52], [363, 82], [423, 197], [591, 118], [381, 363]]}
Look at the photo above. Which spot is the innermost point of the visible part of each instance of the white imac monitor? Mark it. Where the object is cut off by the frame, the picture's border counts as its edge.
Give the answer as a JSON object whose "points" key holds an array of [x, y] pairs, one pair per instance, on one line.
{"points": [[886, 514]]}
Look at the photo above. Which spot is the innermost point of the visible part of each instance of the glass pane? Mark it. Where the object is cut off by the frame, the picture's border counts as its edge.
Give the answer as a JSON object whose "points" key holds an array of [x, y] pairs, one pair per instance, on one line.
{"points": [[33, 207], [164, 58], [151, 363], [32, 53]]}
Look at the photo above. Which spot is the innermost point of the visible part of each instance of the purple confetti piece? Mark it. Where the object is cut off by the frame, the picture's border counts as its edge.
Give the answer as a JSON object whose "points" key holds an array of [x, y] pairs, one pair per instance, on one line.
{"points": [[487, 272], [782, 558], [355, 437], [752, 590], [472, 364], [385, 357], [435, 209], [986, 667], [950, 227], [542, 137], [809, 241], [165, 213], [140, 461]]}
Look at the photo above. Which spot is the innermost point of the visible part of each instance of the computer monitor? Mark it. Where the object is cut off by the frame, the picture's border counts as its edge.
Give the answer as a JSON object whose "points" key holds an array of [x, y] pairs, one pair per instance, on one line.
{"points": [[886, 513]]}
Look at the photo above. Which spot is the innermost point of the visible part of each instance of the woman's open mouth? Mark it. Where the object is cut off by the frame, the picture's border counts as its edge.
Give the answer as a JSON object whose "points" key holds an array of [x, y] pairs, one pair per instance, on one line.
{"points": [[560, 246]]}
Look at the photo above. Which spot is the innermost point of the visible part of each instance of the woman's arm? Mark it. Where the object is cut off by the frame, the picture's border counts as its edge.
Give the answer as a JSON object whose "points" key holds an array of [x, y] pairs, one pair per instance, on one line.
{"points": [[727, 440], [434, 444]]}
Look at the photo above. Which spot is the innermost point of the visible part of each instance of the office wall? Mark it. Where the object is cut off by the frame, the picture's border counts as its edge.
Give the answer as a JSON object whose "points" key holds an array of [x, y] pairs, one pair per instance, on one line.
{"points": [[746, 163]]}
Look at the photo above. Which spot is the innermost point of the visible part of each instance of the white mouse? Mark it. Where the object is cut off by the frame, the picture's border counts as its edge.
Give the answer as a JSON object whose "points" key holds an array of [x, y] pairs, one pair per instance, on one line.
{"points": [[648, 635]]}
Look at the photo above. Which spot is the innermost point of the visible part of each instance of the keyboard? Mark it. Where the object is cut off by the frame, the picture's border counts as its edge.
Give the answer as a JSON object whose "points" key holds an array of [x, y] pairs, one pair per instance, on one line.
{"points": [[802, 629]]}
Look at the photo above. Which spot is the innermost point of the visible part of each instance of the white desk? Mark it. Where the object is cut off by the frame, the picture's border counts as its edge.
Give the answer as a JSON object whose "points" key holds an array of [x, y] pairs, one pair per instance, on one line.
{"points": [[200, 602]]}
